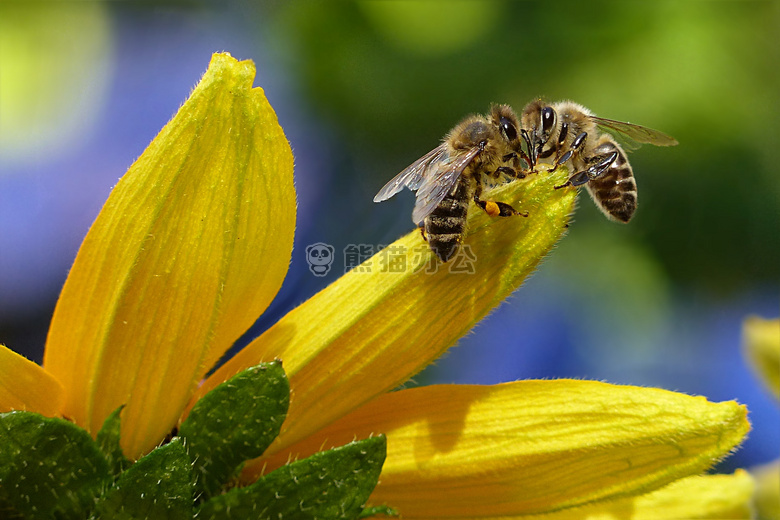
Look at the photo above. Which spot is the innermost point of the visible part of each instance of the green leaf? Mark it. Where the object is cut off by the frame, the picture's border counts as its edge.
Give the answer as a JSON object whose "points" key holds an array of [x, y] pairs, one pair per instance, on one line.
{"points": [[332, 484], [49, 468], [108, 440], [157, 487], [235, 422], [378, 510]]}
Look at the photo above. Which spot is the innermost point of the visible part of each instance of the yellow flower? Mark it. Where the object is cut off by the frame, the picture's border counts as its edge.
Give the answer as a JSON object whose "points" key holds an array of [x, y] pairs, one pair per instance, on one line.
{"points": [[762, 348], [193, 244], [177, 265], [766, 498]]}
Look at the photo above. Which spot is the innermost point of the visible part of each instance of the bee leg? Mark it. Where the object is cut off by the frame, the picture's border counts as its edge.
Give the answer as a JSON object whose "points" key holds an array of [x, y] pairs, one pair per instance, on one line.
{"points": [[493, 208], [560, 160], [559, 147], [422, 232], [518, 172], [577, 179], [583, 176], [498, 209], [575, 147], [510, 158], [530, 157], [509, 172], [604, 162]]}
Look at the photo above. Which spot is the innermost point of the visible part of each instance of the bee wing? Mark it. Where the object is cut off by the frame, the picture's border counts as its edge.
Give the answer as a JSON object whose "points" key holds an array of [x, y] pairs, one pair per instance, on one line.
{"points": [[413, 175], [439, 181], [635, 133]]}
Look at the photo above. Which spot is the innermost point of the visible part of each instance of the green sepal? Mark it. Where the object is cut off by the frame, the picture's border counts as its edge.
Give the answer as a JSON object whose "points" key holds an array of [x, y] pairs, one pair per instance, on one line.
{"points": [[333, 484], [157, 487], [49, 468], [108, 440], [370, 512], [235, 422]]}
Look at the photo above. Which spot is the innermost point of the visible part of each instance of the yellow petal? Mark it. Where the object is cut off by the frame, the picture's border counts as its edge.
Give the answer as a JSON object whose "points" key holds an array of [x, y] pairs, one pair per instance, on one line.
{"points": [[372, 330], [767, 497], [530, 447], [191, 246], [762, 346], [24, 385], [725, 497]]}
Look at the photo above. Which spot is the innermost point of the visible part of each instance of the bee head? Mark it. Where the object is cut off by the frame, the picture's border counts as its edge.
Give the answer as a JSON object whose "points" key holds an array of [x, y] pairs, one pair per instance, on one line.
{"points": [[539, 119], [504, 118]]}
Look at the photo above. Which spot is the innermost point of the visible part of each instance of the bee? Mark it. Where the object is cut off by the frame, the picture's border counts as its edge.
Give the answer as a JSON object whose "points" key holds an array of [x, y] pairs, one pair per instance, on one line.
{"points": [[566, 131], [480, 149]]}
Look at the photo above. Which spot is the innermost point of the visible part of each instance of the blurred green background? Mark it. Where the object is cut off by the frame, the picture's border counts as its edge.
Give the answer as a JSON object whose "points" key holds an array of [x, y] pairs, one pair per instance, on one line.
{"points": [[365, 88]]}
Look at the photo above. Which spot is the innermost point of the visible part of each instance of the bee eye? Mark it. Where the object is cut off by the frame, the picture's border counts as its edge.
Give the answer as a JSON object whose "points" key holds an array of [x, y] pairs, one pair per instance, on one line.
{"points": [[508, 128], [548, 120]]}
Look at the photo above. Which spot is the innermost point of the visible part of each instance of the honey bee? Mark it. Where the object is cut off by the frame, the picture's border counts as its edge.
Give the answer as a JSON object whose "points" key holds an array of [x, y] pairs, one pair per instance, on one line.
{"points": [[566, 131], [480, 149]]}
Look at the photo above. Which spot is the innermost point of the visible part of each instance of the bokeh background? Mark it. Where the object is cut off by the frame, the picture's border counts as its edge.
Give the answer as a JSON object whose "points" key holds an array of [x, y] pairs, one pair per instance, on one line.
{"points": [[364, 88]]}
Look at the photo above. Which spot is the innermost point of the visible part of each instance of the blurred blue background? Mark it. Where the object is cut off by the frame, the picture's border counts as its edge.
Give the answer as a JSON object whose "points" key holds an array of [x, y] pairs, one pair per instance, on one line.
{"points": [[364, 88]]}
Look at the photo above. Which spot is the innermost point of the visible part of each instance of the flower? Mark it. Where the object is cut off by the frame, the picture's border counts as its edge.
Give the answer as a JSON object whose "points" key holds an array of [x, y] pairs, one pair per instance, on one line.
{"points": [[193, 244], [761, 346], [173, 270]]}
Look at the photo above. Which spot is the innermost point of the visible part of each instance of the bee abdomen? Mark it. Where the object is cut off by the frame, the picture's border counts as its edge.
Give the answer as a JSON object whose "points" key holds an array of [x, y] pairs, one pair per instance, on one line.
{"points": [[445, 226], [436, 225], [615, 192], [453, 207], [444, 246], [445, 233]]}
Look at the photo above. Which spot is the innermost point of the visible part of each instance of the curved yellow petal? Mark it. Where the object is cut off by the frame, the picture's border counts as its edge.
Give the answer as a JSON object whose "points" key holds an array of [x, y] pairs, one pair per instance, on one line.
{"points": [[724, 497], [762, 346], [373, 329], [24, 385], [189, 249], [530, 447]]}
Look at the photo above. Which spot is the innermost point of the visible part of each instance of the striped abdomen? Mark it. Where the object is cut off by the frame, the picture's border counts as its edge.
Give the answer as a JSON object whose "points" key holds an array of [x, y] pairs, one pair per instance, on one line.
{"points": [[614, 191], [445, 226]]}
